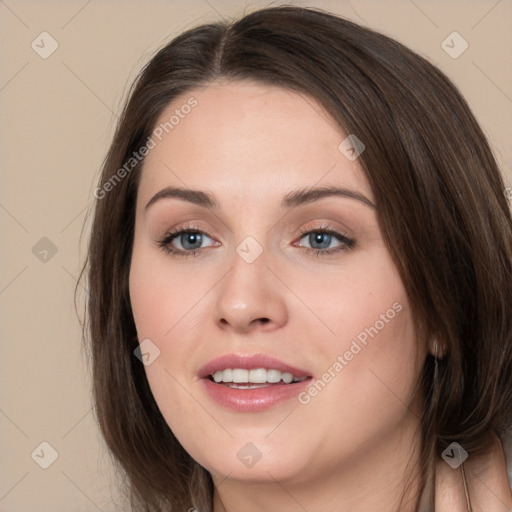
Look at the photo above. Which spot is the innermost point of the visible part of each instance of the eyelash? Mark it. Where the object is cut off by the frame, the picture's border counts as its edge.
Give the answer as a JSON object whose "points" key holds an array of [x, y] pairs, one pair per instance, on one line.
{"points": [[346, 243]]}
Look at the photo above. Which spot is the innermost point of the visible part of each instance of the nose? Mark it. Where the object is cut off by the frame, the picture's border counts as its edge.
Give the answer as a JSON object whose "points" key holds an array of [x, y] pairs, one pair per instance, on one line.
{"points": [[250, 297]]}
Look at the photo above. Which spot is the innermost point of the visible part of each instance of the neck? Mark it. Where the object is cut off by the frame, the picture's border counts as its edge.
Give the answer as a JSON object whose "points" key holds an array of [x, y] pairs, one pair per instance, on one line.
{"points": [[382, 476]]}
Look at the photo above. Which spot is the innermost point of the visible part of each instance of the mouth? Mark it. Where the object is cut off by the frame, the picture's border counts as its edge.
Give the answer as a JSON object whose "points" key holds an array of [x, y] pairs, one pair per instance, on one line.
{"points": [[257, 378], [251, 383]]}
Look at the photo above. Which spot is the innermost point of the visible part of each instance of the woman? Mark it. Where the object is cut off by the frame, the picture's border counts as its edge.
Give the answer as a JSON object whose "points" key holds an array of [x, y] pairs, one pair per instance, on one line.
{"points": [[299, 274]]}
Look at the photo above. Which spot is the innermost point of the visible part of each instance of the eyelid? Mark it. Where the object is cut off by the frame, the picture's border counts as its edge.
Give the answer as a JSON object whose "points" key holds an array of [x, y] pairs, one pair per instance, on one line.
{"points": [[345, 241], [324, 225], [173, 233]]}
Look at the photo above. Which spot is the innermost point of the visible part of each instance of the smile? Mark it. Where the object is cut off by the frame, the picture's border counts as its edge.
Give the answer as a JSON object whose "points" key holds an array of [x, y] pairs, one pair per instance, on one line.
{"points": [[251, 383], [242, 379]]}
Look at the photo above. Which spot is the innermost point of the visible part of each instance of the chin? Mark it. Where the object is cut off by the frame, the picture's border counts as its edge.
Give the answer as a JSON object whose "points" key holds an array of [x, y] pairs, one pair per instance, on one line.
{"points": [[258, 461]]}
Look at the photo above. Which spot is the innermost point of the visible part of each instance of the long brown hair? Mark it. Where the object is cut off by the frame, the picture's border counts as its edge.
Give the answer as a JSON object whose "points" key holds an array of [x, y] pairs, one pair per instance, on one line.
{"points": [[440, 203]]}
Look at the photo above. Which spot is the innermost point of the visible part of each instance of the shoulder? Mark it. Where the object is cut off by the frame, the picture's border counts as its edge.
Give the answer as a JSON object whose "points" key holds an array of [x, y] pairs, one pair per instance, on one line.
{"points": [[487, 483]]}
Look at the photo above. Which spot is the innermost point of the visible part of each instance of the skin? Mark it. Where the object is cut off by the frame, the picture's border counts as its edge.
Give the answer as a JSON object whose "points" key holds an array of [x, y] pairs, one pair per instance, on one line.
{"points": [[348, 448]]}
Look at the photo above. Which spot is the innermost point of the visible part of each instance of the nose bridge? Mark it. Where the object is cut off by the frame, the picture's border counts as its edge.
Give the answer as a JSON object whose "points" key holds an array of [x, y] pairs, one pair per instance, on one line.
{"points": [[248, 292], [247, 279]]}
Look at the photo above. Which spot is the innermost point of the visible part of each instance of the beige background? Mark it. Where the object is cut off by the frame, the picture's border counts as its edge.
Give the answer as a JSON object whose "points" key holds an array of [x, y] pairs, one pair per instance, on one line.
{"points": [[57, 118]]}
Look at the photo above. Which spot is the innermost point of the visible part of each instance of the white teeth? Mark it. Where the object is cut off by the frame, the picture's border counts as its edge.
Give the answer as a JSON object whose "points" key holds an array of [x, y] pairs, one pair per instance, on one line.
{"points": [[273, 376], [240, 375], [287, 377], [255, 376], [258, 376]]}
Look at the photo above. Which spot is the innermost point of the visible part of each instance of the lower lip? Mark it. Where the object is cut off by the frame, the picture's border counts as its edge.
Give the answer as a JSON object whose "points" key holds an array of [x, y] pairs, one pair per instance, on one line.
{"points": [[253, 400]]}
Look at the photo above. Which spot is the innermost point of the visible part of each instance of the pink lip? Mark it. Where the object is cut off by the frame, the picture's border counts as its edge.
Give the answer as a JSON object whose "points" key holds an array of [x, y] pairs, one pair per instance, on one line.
{"points": [[251, 400]]}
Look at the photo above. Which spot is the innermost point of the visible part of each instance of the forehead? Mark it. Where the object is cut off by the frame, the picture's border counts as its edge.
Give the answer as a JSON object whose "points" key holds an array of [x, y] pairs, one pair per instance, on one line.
{"points": [[254, 137]]}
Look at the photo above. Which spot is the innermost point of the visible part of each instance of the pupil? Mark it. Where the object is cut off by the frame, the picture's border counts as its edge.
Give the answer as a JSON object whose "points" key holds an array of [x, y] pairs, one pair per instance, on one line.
{"points": [[318, 237], [192, 238]]}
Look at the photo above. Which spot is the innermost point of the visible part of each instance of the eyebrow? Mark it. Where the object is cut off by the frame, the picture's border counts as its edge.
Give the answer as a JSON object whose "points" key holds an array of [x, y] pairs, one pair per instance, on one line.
{"points": [[290, 200]]}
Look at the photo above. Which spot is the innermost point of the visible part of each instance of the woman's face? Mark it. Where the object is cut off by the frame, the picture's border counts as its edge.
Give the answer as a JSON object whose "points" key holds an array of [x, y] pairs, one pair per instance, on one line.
{"points": [[277, 279]]}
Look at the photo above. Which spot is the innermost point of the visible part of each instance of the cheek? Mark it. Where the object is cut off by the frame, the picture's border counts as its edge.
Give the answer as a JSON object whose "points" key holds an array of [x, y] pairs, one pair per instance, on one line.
{"points": [[369, 362], [360, 309], [364, 389], [161, 299], [166, 306], [160, 314]]}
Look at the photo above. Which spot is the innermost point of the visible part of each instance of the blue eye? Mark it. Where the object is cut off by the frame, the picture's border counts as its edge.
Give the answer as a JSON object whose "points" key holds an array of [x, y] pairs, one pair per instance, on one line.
{"points": [[191, 240], [320, 240], [188, 237]]}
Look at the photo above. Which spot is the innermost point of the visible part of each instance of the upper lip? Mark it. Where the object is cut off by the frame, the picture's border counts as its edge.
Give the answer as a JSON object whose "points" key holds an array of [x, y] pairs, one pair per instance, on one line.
{"points": [[249, 362]]}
